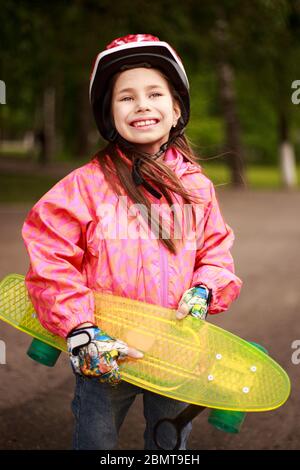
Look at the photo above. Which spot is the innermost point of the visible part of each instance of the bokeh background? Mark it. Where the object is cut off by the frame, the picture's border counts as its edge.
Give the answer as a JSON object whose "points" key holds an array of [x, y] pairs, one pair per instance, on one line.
{"points": [[242, 60]]}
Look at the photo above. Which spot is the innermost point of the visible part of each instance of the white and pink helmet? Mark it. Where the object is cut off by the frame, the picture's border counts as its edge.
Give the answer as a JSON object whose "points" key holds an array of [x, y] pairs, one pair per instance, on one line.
{"points": [[141, 50]]}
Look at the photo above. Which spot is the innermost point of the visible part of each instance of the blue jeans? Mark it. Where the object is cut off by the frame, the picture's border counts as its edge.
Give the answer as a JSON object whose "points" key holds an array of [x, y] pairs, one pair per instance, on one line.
{"points": [[100, 409]]}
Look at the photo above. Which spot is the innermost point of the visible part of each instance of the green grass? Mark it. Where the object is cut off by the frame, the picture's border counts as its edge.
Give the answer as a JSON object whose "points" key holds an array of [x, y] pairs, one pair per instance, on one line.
{"points": [[16, 188], [258, 177], [264, 177], [15, 153], [218, 173], [23, 188]]}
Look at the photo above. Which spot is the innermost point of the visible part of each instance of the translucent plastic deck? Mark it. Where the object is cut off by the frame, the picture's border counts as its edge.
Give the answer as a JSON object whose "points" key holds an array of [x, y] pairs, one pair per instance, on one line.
{"points": [[188, 360]]}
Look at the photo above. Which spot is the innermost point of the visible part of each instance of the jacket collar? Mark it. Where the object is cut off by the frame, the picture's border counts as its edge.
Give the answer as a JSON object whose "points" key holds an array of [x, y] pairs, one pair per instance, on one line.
{"points": [[174, 159]]}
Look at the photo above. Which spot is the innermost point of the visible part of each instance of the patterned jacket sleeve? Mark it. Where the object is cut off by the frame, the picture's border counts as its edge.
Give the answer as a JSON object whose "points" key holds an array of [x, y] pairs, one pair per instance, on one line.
{"points": [[54, 234], [214, 265]]}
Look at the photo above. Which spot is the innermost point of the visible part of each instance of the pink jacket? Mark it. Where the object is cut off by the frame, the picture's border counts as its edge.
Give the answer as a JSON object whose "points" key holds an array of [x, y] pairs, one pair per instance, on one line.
{"points": [[80, 238]]}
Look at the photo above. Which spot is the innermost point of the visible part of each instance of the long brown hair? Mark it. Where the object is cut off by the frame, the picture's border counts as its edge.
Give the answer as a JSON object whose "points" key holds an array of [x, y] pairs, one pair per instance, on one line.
{"points": [[164, 179], [155, 170]]}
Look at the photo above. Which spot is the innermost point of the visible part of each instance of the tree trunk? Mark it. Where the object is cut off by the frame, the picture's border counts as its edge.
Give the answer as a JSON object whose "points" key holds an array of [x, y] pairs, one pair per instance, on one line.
{"points": [[2, 92], [83, 113], [47, 133], [286, 154], [225, 72], [233, 142], [2, 102]]}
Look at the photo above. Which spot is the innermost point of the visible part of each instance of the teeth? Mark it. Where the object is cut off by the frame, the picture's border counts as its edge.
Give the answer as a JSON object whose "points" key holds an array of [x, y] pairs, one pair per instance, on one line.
{"points": [[144, 123]]}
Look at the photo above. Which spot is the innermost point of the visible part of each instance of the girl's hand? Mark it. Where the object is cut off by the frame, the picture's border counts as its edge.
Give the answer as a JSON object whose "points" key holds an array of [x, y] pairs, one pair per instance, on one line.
{"points": [[195, 301], [94, 354]]}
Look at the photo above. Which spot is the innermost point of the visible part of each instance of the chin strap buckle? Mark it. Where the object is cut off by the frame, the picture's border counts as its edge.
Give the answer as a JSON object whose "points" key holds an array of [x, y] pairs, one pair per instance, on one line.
{"points": [[138, 179]]}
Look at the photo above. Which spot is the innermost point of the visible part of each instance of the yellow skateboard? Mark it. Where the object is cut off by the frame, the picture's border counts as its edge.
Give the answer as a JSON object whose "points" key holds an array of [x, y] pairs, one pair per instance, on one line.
{"points": [[188, 360]]}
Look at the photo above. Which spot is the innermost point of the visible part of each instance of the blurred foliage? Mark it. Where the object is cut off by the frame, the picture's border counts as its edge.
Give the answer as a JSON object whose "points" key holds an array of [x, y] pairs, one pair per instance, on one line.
{"points": [[55, 44], [16, 188]]}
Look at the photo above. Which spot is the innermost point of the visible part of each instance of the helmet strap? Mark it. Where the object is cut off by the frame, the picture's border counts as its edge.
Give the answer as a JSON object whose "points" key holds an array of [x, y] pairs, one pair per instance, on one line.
{"points": [[140, 159]]}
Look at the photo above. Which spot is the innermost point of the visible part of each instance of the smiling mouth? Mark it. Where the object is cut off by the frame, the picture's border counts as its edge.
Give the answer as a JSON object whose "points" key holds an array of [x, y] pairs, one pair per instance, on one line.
{"points": [[144, 124]]}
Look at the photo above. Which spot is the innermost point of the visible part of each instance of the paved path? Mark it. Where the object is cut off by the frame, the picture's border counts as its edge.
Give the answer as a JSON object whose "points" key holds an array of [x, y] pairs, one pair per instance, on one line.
{"points": [[35, 401]]}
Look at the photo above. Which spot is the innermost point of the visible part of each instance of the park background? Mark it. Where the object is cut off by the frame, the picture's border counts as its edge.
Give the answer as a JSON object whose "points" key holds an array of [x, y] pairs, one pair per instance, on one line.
{"points": [[242, 60]]}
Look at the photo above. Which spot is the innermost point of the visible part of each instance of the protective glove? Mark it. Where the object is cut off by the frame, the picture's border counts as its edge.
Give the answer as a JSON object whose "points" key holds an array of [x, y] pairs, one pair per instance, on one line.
{"points": [[94, 354], [195, 301]]}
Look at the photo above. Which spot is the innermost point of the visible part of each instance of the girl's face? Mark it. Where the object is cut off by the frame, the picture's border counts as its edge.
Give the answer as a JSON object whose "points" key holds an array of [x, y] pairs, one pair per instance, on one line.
{"points": [[143, 108]]}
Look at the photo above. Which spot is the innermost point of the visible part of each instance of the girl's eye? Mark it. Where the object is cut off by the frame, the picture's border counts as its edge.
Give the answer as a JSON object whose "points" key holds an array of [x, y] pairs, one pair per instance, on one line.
{"points": [[126, 98]]}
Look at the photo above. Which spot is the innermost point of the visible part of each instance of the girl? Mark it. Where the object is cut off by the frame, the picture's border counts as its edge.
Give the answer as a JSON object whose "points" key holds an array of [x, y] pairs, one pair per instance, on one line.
{"points": [[78, 242]]}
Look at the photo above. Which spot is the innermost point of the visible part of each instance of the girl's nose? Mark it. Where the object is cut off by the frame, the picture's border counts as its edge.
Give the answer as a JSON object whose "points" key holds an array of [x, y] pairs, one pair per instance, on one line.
{"points": [[142, 105]]}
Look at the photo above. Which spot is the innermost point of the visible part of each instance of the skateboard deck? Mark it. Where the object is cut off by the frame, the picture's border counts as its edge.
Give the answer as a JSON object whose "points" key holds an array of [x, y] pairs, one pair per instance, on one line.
{"points": [[189, 360]]}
